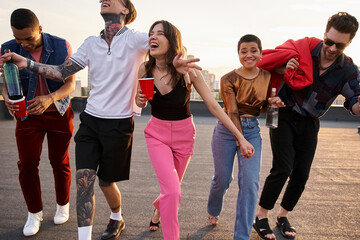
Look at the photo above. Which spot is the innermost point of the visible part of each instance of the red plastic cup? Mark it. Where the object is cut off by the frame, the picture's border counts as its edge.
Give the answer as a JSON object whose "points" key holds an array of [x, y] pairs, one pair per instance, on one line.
{"points": [[22, 107], [147, 87]]}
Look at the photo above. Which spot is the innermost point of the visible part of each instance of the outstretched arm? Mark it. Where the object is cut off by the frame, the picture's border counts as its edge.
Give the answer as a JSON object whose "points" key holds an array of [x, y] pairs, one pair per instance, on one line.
{"points": [[247, 150], [56, 73]]}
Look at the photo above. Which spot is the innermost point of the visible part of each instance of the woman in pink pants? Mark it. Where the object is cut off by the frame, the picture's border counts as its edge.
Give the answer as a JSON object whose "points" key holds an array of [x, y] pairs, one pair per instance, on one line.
{"points": [[170, 133]]}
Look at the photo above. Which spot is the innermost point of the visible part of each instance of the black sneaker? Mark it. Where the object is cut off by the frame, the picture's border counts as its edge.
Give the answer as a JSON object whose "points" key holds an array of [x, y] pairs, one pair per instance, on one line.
{"points": [[113, 230]]}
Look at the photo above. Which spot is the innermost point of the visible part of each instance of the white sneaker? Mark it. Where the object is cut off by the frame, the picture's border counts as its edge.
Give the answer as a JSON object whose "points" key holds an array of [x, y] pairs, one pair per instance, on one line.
{"points": [[62, 214], [32, 224]]}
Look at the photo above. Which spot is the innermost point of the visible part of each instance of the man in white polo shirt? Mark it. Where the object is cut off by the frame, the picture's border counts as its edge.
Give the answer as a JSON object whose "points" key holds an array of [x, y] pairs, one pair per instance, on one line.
{"points": [[104, 138]]}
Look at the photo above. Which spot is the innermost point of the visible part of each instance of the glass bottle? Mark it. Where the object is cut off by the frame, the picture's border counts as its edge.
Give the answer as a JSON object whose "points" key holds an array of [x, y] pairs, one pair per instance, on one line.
{"points": [[12, 79], [272, 113]]}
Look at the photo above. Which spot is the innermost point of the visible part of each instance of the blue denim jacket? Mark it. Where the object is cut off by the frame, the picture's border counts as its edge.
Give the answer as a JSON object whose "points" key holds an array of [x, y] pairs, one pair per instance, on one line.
{"points": [[55, 53]]}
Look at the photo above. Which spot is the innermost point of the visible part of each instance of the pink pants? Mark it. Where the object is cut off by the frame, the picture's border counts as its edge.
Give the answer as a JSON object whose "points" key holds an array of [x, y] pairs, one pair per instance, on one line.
{"points": [[170, 146]]}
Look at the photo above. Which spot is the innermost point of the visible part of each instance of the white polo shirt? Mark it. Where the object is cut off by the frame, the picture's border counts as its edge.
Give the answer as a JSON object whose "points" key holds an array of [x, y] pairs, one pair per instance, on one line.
{"points": [[113, 72]]}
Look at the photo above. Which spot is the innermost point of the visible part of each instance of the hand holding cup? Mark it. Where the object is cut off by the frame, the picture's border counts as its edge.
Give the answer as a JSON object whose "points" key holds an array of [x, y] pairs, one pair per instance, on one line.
{"points": [[147, 87], [20, 111]]}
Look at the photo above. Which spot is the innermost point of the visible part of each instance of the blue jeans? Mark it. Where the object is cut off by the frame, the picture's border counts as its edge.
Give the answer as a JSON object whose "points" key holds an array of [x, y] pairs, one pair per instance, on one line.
{"points": [[224, 149]]}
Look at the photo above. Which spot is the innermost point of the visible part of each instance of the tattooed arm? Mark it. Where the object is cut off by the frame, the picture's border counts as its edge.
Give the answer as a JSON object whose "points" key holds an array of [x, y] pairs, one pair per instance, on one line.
{"points": [[56, 73]]}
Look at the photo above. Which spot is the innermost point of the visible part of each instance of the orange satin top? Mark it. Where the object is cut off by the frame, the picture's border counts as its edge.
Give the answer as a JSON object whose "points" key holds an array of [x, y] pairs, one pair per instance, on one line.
{"points": [[245, 97]]}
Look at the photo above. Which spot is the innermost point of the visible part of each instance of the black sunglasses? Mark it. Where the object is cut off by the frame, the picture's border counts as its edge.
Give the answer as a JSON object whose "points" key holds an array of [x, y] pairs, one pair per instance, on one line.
{"points": [[339, 46]]}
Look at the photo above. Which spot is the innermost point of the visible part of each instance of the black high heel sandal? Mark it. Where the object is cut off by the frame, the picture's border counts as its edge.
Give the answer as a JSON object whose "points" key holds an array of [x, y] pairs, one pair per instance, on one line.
{"points": [[152, 224]]}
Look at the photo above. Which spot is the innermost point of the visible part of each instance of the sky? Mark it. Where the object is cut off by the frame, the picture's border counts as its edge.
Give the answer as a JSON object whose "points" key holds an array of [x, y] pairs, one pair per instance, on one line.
{"points": [[210, 29]]}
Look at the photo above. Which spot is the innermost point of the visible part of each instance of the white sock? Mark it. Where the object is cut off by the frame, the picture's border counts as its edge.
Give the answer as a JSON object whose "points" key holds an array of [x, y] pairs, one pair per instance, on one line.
{"points": [[116, 216], [84, 233]]}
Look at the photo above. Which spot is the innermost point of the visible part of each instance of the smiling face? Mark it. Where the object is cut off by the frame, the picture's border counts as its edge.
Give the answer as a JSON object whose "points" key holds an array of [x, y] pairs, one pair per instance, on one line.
{"points": [[249, 54], [334, 37], [29, 38], [113, 7], [158, 43]]}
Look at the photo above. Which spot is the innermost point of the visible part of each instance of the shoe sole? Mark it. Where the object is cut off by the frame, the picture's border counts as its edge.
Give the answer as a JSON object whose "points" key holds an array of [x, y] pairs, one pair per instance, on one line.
{"points": [[29, 235], [62, 222]]}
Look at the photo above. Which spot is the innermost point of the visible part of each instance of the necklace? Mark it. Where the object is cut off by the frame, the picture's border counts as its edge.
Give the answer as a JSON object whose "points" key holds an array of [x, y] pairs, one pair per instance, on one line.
{"points": [[161, 66], [167, 72], [165, 82]]}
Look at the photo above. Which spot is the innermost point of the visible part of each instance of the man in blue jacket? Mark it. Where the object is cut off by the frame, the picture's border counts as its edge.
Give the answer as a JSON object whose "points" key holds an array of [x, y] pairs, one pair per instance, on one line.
{"points": [[49, 113]]}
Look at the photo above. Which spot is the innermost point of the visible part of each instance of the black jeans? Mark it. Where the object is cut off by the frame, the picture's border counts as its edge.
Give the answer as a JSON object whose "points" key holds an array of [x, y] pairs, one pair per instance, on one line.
{"points": [[293, 145]]}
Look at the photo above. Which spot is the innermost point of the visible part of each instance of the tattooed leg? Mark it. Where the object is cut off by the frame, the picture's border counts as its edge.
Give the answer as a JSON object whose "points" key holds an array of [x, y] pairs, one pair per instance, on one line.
{"points": [[85, 199]]}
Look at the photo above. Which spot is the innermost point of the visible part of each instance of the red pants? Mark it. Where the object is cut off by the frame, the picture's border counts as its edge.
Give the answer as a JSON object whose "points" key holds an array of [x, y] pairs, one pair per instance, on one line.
{"points": [[30, 135]]}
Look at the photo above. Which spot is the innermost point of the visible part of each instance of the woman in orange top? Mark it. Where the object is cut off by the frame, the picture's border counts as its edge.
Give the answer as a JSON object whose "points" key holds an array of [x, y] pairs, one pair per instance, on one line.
{"points": [[245, 93]]}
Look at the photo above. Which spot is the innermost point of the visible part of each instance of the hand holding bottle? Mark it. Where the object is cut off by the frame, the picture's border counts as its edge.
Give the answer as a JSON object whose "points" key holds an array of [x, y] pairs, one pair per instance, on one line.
{"points": [[20, 61], [273, 109], [14, 96], [276, 101]]}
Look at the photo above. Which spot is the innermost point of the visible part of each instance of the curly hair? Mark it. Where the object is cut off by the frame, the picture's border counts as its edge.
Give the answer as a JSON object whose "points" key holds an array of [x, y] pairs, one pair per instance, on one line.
{"points": [[344, 23]]}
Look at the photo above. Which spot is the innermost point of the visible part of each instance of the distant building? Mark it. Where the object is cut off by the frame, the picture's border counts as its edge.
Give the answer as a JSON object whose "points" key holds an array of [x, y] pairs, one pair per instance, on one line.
{"points": [[217, 85], [209, 79], [77, 91]]}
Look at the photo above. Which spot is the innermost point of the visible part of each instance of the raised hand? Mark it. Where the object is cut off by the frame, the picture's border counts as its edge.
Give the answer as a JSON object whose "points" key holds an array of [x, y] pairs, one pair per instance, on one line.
{"points": [[186, 66]]}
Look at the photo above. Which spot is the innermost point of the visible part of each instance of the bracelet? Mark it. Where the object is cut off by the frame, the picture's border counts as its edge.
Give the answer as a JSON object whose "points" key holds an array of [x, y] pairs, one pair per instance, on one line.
{"points": [[30, 64]]}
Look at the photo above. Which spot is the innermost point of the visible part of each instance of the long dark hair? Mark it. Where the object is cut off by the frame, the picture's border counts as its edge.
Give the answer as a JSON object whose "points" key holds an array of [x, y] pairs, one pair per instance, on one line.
{"points": [[173, 35]]}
